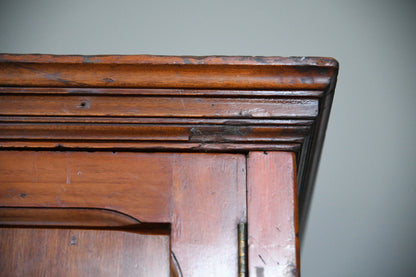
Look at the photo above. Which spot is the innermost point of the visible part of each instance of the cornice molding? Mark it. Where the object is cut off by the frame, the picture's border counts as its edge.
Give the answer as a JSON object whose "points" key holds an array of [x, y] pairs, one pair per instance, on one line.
{"points": [[162, 103], [266, 73]]}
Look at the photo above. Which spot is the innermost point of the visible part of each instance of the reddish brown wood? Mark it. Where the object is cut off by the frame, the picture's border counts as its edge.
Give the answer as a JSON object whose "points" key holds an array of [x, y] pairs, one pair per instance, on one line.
{"points": [[170, 104], [135, 184], [149, 146], [166, 72], [135, 132], [65, 217], [156, 107], [75, 252], [176, 60], [158, 92], [155, 120], [209, 202], [186, 88], [272, 214], [201, 195]]}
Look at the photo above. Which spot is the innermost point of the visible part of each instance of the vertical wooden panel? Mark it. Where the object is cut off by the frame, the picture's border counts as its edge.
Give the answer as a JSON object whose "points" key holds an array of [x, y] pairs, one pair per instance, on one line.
{"points": [[271, 211], [208, 203], [72, 252]]}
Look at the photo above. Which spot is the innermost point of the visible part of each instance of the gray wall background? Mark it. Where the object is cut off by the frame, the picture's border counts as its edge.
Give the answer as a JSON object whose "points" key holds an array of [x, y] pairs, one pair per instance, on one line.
{"points": [[362, 220]]}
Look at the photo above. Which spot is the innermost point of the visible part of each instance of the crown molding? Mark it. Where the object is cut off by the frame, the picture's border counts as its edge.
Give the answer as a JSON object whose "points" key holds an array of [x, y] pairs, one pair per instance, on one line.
{"points": [[164, 103]]}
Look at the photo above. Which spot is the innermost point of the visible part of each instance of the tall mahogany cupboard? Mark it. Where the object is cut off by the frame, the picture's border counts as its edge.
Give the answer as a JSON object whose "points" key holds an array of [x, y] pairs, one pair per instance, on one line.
{"points": [[157, 165]]}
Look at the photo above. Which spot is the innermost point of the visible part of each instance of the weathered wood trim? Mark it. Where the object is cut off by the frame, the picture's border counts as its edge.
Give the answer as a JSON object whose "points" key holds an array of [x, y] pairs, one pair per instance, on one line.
{"points": [[167, 72], [165, 103], [69, 217], [273, 248]]}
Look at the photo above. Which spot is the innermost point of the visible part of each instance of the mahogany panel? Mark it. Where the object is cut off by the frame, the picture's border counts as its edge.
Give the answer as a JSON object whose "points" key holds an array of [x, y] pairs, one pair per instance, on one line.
{"points": [[136, 184], [272, 214], [208, 204], [80, 252], [157, 106]]}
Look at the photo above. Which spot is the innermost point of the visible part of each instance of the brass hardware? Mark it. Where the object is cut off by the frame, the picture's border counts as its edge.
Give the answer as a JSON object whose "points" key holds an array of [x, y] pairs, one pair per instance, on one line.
{"points": [[242, 250]]}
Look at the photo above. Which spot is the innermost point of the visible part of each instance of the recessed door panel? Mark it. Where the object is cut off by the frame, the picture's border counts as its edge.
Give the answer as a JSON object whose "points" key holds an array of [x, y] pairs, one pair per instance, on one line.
{"points": [[82, 252]]}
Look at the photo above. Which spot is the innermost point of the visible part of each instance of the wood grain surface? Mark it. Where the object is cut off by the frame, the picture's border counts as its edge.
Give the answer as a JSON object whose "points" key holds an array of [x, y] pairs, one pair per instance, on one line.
{"points": [[113, 141], [209, 202], [169, 103], [157, 107], [201, 196], [167, 72], [77, 252], [135, 184], [272, 215]]}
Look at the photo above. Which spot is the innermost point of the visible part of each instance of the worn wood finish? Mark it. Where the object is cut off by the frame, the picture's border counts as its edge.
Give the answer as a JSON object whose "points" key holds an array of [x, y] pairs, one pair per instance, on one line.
{"points": [[166, 60], [135, 184], [151, 146], [82, 252], [166, 72], [35, 90], [80, 217], [208, 203], [72, 127], [83, 189], [157, 107], [133, 132], [272, 214], [158, 92]]}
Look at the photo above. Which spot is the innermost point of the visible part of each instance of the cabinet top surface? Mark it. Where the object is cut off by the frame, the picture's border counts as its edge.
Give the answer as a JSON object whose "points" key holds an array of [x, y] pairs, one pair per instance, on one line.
{"points": [[178, 72], [170, 60]]}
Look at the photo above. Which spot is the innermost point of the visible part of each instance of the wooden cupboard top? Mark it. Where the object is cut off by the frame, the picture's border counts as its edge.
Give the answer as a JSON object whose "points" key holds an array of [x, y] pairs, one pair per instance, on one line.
{"points": [[167, 103], [212, 72], [163, 60]]}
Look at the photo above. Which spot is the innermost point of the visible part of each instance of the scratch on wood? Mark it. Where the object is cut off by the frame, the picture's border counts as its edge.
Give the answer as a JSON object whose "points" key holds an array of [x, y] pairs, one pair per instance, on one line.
{"points": [[63, 189], [68, 170], [59, 201], [261, 258], [35, 167]]}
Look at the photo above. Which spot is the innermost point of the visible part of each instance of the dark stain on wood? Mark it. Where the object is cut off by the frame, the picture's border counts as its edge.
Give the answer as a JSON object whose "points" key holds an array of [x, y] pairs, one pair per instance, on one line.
{"points": [[217, 134], [108, 80]]}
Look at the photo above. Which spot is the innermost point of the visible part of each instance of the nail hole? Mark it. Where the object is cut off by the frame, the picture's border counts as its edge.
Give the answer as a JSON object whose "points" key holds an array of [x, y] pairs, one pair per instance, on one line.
{"points": [[84, 104], [73, 240]]}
